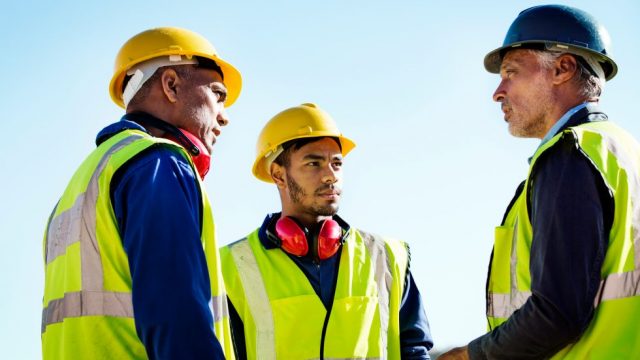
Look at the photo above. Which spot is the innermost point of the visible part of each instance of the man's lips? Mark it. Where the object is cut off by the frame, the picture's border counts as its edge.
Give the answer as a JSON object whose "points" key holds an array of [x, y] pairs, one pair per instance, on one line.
{"points": [[329, 195], [506, 111]]}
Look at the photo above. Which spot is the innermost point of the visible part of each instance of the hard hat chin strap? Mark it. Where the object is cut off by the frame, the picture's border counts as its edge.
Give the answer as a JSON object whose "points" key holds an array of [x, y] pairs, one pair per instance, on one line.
{"points": [[144, 70], [271, 156]]}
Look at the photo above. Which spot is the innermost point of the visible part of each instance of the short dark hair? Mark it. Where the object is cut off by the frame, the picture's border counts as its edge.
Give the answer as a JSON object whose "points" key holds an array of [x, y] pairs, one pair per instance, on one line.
{"points": [[284, 159]]}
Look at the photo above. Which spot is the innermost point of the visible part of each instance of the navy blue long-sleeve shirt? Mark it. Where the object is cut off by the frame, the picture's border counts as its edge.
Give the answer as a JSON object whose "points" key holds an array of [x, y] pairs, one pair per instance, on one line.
{"points": [[571, 215], [415, 335], [157, 203]]}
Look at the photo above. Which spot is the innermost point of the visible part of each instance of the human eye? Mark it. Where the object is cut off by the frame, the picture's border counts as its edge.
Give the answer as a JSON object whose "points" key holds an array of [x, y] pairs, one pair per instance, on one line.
{"points": [[221, 94]]}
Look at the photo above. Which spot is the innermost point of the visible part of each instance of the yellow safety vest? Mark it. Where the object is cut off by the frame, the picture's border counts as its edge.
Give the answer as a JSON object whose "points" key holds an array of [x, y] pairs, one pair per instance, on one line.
{"points": [[613, 332], [88, 312], [284, 318]]}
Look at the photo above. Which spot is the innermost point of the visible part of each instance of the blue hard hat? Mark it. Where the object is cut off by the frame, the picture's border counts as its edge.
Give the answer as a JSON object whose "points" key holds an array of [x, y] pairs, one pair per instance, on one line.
{"points": [[558, 28]]}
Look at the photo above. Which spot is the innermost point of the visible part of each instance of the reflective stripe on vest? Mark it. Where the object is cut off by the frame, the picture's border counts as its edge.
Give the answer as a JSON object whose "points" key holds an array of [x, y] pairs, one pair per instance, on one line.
{"points": [[503, 305], [617, 286], [77, 224], [87, 303], [612, 332], [379, 257], [256, 296], [240, 259]]}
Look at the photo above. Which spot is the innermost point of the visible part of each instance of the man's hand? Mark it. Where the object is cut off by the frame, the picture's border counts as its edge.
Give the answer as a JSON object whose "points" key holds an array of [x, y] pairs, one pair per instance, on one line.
{"points": [[459, 353]]}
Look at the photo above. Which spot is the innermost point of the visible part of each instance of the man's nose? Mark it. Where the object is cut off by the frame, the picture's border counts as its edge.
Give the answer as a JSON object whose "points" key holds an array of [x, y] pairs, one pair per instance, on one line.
{"points": [[499, 94], [330, 175], [223, 119]]}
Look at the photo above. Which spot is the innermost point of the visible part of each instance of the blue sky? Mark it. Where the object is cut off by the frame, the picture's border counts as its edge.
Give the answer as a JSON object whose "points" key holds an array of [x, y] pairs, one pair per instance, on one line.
{"points": [[434, 166]]}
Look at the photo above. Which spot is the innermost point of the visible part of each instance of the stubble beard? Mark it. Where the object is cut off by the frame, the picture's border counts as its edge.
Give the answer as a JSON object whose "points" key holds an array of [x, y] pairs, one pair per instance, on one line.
{"points": [[297, 193], [531, 123]]}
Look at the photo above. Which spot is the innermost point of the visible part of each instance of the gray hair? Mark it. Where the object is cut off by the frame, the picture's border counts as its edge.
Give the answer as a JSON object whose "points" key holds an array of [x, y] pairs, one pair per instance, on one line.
{"points": [[589, 85]]}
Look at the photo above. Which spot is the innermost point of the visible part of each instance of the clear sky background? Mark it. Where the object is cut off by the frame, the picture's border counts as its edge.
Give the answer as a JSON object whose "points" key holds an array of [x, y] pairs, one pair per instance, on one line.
{"points": [[434, 166]]}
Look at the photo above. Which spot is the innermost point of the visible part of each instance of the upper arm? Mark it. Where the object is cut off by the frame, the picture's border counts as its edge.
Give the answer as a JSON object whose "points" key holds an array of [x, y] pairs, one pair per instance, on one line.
{"points": [[571, 215]]}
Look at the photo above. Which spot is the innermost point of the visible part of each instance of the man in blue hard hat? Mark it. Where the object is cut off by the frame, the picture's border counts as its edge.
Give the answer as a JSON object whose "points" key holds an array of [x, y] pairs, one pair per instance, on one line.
{"points": [[564, 275]]}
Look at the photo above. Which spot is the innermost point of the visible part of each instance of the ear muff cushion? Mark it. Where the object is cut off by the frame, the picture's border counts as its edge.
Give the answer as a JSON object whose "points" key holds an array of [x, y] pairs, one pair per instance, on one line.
{"points": [[293, 238], [329, 239]]}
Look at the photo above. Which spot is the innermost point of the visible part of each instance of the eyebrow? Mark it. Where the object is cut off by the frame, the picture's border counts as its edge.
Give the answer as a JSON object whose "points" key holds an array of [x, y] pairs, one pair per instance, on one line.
{"points": [[219, 86], [515, 60], [320, 157]]}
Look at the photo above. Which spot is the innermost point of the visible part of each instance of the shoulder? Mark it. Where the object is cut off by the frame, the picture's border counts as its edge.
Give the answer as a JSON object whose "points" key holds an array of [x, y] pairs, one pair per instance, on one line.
{"points": [[160, 158], [397, 248], [564, 155], [158, 173], [376, 238], [242, 242], [241, 246]]}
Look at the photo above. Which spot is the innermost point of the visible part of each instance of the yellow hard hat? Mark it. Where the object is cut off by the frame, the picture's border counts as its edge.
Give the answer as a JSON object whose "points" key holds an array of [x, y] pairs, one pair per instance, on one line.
{"points": [[170, 41], [304, 121]]}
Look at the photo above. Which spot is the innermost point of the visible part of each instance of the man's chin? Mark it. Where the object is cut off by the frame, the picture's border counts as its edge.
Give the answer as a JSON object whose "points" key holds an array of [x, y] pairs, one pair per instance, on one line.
{"points": [[327, 210]]}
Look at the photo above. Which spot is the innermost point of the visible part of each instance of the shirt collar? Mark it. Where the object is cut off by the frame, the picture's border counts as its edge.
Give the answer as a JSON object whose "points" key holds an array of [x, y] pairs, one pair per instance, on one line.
{"points": [[127, 122], [559, 125]]}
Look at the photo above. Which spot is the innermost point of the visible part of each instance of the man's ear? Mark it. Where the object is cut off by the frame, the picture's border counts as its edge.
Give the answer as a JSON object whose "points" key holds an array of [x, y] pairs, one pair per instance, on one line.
{"points": [[566, 67], [278, 175], [169, 81]]}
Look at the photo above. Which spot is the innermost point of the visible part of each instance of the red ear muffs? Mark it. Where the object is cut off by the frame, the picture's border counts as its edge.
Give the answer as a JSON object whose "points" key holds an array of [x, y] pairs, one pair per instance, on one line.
{"points": [[202, 160], [294, 239], [329, 239]]}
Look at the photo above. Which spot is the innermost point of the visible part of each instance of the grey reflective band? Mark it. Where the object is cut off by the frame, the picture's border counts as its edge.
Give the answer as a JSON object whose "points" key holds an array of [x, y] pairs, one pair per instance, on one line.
{"points": [[380, 262], [46, 234], [64, 230], [78, 224], [513, 265], [503, 305], [87, 303], [256, 297], [618, 286], [219, 307], [360, 358]]}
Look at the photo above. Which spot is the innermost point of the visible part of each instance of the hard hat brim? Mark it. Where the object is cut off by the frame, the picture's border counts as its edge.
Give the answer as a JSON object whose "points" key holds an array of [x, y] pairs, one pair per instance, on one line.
{"points": [[261, 172], [493, 60]]}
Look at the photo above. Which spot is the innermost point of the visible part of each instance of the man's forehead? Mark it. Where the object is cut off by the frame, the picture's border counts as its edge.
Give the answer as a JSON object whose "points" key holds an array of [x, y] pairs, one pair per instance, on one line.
{"points": [[217, 77], [518, 56], [321, 145]]}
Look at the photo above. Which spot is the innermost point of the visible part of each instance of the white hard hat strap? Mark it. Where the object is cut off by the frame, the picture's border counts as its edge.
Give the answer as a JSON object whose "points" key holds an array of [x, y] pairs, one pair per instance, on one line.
{"points": [[143, 71]]}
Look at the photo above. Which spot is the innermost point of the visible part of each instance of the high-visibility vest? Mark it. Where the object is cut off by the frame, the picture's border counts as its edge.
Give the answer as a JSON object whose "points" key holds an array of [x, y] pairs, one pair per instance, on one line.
{"points": [[613, 332], [284, 318], [88, 311]]}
